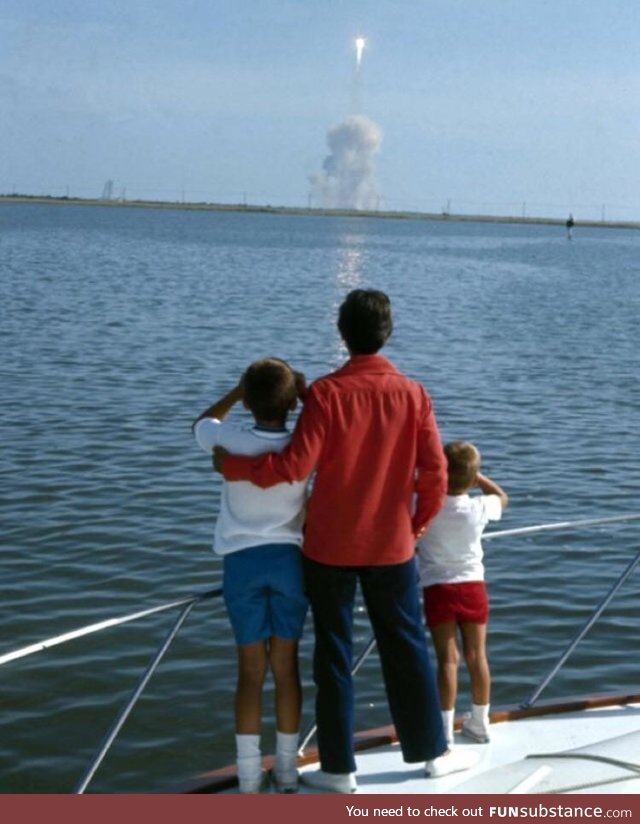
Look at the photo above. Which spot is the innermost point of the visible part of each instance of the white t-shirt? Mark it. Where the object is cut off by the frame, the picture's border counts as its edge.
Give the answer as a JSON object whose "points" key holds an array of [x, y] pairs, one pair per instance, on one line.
{"points": [[450, 552], [250, 516]]}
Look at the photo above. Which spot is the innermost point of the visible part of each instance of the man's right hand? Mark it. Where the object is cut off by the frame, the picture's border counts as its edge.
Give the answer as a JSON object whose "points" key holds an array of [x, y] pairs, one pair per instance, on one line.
{"points": [[218, 457], [419, 532]]}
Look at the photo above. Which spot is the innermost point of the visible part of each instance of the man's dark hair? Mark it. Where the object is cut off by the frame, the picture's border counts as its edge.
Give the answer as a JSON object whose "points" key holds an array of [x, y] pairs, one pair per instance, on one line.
{"points": [[269, 389], [365, 321]]}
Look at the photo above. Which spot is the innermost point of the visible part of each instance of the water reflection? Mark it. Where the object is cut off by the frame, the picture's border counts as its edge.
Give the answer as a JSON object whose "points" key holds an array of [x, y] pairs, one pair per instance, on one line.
{"points": [[350, 264]]}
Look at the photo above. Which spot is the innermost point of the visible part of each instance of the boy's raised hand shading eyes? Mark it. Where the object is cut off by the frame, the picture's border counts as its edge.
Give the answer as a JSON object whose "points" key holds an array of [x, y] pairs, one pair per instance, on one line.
{"points": [[301, 385]]}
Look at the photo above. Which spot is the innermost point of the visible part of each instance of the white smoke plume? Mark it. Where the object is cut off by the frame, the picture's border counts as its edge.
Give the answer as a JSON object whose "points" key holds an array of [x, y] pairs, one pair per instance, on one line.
{"points": [[347, 179]]}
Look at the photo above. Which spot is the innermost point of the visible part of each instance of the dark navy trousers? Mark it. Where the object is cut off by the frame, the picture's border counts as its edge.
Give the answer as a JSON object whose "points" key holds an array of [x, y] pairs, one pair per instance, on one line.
{"points": [[391, 596]]}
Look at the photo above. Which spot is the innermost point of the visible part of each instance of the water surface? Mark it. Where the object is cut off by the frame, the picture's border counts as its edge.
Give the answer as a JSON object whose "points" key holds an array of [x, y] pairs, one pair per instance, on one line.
{"points": [[118, 326]]}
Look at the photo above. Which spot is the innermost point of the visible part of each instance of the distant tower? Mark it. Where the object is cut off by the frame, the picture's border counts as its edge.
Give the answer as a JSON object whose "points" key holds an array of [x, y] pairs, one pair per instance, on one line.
{"points": [[107, 191]]}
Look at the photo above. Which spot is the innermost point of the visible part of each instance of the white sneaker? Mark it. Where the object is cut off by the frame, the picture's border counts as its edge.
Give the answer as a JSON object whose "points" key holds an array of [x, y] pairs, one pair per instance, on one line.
{"points": [[452, 761], [330, 782], [475, 730], [286, 781]]}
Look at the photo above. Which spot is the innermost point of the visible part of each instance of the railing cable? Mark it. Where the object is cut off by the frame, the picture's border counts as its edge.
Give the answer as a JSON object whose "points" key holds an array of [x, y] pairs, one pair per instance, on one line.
{"points": [[530, 701], [530, 530], [135, 695], [186, 603], [110, 622], [308, 735]]}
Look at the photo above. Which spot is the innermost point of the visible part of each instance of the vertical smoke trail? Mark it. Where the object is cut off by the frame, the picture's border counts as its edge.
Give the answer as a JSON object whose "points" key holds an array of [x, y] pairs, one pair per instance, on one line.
{"points": [[347, 179]]}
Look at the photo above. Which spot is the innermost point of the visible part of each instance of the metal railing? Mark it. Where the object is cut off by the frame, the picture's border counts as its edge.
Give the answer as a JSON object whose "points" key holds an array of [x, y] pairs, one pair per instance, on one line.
{"points": [[600, 607], [187, 604], [527, 530]]}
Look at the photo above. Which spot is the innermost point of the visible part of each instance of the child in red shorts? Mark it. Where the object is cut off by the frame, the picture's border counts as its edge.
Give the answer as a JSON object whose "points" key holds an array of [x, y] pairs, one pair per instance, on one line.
{"points": [[455, 596]]}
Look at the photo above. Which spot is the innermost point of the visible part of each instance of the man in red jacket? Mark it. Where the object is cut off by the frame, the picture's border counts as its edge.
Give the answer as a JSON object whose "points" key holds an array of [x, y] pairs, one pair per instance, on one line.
{"points": [[371, 437]]}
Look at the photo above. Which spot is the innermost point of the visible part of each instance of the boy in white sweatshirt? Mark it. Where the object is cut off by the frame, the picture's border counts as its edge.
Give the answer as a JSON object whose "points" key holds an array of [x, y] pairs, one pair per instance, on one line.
{"points": [[259, 536]]}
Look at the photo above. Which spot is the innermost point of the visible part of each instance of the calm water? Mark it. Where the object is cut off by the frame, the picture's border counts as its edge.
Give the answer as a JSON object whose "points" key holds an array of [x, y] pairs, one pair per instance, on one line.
{"points": [[118, 326]]}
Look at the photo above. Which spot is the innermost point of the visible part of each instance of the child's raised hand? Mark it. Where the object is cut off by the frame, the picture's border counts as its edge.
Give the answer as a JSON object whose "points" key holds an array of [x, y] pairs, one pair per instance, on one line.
{"points": [[301, 385]]}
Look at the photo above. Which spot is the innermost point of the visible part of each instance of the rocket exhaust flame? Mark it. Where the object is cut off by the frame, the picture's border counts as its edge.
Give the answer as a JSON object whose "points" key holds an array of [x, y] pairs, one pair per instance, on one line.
{"points": [[360, 44]]}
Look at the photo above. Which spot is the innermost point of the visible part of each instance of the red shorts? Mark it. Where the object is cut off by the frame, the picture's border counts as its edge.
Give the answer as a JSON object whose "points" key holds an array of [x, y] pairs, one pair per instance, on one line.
{"points": [[465, 603]]}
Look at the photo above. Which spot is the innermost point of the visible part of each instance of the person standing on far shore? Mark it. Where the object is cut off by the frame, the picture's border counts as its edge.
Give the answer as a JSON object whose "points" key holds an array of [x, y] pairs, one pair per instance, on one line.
{"points": [[570, 224]]}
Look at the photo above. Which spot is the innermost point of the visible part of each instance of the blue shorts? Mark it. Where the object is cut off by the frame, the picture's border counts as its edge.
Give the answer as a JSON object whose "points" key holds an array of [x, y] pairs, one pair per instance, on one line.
{"points": [[264, 593]]}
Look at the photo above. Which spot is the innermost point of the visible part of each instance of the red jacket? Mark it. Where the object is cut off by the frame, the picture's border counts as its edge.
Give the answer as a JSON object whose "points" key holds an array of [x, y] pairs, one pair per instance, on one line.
{"points": [[371, 436]]}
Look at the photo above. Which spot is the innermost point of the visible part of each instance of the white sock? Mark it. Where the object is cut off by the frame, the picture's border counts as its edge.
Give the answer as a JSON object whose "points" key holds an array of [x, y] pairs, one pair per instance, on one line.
{"points": [[248, 757], [480, 713], [447, 722], [286, 751]]}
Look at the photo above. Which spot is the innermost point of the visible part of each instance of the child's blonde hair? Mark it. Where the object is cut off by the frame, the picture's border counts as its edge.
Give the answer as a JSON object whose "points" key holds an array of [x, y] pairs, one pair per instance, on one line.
{"points": [[463, 460]]}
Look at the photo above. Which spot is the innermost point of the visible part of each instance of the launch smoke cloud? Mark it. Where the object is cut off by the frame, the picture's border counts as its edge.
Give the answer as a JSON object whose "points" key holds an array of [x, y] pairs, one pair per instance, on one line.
{"points": [[347, 179]]}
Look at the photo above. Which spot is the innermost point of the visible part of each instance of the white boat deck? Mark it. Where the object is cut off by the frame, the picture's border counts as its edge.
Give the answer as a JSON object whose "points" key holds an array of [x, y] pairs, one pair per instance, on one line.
{"points": [[507, 765]]}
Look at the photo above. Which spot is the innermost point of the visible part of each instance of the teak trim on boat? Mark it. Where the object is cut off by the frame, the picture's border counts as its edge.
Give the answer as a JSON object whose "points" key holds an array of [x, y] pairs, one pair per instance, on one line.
{"points": [[223, 779]]}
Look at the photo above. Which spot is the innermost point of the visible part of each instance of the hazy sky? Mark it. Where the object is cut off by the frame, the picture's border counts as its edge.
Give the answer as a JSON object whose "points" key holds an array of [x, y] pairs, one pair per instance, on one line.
{"points": [[488, 105]]}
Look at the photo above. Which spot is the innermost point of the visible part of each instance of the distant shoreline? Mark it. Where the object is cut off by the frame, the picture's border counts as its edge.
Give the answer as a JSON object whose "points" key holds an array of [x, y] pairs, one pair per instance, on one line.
{"points": [[313, 212]]}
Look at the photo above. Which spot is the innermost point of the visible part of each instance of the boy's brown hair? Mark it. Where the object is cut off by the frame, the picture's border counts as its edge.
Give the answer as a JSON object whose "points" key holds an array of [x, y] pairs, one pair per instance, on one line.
{"points": [[463, 460], [269, 389]]}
